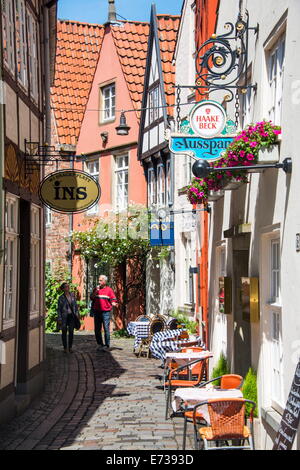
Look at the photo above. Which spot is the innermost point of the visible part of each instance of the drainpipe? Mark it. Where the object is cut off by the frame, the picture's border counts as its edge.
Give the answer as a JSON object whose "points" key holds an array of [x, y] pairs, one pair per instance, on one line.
{"points": [[2, 100], [47, 75]]}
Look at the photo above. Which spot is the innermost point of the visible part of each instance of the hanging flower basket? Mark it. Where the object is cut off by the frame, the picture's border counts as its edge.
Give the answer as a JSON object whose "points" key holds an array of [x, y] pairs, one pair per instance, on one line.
{"points": [[215, 195], [232, 184], [245, 150]]}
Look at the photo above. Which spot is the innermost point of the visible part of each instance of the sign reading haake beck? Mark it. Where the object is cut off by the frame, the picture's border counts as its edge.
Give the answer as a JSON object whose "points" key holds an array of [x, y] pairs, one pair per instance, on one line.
{"points": [[69, 191], [208, 119]]}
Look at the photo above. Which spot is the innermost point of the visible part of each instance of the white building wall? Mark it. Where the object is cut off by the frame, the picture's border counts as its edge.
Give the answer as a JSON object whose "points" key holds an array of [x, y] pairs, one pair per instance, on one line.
{"points": [[185, 224], [270, 203]]}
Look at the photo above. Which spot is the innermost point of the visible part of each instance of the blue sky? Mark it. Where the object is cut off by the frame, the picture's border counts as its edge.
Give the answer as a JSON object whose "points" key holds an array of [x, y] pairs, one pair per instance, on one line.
{"points": [[95, 11]]}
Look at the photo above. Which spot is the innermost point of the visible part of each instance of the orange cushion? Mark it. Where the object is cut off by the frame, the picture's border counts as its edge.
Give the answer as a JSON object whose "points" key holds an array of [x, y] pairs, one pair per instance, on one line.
{"points": [[207, 434], [189, 415], [182, 383]]}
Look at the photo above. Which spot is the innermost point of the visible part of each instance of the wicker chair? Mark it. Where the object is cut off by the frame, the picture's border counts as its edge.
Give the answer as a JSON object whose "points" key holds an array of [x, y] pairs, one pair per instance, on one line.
{"points": [[156, 325], [195, 371], [227, 423], [172, 324], [228, 381], [143, 318]]}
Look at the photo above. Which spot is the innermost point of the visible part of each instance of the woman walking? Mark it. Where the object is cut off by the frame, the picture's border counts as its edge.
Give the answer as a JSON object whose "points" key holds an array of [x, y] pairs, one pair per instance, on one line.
{"points": [[67, 308]]}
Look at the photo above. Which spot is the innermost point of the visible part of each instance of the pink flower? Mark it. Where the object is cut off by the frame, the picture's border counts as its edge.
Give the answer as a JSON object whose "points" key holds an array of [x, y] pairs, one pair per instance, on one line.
{"points": [[253, 144], [250, 156], [277, 131]]}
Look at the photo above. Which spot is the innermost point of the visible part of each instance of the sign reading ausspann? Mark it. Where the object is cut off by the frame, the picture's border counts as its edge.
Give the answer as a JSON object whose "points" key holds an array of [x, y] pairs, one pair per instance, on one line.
{"points": [[205, 134], [69, 191], [291, 416]]}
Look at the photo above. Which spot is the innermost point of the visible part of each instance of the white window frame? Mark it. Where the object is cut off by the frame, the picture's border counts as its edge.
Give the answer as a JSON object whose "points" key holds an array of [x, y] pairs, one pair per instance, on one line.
{"points": [[271, 307], [32, 27], [121, 187], [11, 269], [154, 103], [275, 74], [169, 196], [92, 167], [108, 103], [161, 185], [21, 43], [151, 187], [35, 261], [8, 33]]}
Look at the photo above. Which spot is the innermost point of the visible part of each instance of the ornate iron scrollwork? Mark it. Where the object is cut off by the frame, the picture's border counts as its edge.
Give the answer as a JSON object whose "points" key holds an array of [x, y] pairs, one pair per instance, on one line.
{"points": [[37, 155], [222, 60]]}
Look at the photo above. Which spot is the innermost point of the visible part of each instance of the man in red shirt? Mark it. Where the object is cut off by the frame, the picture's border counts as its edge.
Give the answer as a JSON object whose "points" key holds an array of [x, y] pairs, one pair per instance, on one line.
{"points": [[104, 299]]}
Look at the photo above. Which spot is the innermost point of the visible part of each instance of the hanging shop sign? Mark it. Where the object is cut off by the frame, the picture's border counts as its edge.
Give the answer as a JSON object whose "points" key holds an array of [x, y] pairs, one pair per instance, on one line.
{"points": [[205, 134], [206, 149], [69, 191], [161, 233], [208, 119]]}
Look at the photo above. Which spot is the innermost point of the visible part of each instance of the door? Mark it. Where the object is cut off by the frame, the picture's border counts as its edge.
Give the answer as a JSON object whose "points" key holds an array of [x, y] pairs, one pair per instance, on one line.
{"points": [[241, 320]]}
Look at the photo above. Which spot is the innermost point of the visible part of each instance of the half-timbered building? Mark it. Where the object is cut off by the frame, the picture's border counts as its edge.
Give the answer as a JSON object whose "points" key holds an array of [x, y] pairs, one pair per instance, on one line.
{"points": [[28, 29]]}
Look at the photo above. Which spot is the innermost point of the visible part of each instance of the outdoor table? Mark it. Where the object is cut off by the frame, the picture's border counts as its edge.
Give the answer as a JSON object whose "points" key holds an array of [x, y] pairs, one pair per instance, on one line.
{"points": [[192, 396], [166, 341], [182, 358], [138, 329]]}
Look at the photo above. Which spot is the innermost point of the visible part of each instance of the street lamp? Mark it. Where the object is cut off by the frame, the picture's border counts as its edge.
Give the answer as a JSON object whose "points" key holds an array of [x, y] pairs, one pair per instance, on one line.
{"points": [[122, 128]]}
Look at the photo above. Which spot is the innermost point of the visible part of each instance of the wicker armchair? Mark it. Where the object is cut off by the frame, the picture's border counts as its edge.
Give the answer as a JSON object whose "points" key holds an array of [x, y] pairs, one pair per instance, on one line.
{"points": [[143, 318], [228, 381], [156, 325], [227, 423]]}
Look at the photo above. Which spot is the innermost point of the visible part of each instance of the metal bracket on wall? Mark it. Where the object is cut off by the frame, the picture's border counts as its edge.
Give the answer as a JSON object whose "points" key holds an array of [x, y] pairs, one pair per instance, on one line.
{"points": [[37, 155]]}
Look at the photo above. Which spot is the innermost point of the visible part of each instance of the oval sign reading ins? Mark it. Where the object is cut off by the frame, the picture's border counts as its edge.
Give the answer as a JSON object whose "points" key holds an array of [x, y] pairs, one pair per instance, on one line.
{"points": [[69, 191]]}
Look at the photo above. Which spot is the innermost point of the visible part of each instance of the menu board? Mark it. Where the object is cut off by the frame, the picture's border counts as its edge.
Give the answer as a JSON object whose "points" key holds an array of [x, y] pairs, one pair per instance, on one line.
{"points": [[291, 416]]}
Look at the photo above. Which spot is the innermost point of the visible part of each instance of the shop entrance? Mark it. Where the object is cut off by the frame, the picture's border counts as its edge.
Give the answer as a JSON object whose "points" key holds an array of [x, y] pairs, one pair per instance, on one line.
{"points": [[241, 320]]}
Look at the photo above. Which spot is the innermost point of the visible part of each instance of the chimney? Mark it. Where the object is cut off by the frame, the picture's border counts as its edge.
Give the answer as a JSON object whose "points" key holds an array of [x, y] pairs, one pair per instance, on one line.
{"points": [[112, 17]]}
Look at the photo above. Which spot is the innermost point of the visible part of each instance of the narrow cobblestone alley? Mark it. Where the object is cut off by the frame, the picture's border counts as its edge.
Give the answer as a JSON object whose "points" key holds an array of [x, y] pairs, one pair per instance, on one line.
{"points": [[96, 400]]}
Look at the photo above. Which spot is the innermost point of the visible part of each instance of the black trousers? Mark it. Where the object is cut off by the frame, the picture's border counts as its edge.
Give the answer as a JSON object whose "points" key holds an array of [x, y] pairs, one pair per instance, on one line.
{"points": [[69, 326]]}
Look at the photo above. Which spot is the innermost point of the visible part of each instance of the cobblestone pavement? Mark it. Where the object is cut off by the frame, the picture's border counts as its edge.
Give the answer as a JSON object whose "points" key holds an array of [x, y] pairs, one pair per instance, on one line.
{"points": [[96, 400]]}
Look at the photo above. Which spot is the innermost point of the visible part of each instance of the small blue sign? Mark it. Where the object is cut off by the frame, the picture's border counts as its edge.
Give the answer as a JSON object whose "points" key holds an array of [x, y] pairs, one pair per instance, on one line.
{"points": [[161, 233], [206, 149]]}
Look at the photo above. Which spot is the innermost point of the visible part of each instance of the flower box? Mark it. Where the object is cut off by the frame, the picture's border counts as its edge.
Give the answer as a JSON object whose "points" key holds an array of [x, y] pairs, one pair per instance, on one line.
{"points": [[215, 195], [268, 155], [232, 185]]}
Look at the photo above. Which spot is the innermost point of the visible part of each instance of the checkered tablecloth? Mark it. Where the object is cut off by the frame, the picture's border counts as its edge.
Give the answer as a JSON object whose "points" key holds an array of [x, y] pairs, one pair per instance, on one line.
{"points": [[162, 343], [138, 329]]}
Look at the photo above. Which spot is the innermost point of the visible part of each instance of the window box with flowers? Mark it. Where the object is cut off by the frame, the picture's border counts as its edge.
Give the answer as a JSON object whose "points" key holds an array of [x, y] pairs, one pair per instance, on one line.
{"points": [[243, 151]]}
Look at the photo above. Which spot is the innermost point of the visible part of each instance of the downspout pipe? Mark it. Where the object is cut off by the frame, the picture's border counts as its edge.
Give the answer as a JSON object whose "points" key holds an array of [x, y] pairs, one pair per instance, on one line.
{"points": [[47, 73]]}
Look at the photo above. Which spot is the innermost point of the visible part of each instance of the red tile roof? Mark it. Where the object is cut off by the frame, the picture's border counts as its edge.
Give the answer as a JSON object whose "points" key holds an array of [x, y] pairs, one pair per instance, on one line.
{"points": [[167, 33], [77, 52], [78, 48], [131, 41]]}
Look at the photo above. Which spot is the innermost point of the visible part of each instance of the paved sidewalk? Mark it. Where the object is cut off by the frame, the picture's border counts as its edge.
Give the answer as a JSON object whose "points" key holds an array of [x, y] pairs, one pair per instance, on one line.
{"points": [[97, 400]]}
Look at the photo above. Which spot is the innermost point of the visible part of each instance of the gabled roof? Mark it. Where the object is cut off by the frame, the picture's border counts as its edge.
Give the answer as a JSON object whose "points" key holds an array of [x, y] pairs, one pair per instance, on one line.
{"points": [[167, 34], [77, 52], [77, 55], [131, 41]]}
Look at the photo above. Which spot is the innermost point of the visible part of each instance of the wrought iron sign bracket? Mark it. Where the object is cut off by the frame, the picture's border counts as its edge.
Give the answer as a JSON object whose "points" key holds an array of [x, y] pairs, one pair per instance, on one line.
{"points": [[222, 60], [37, 156]]}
